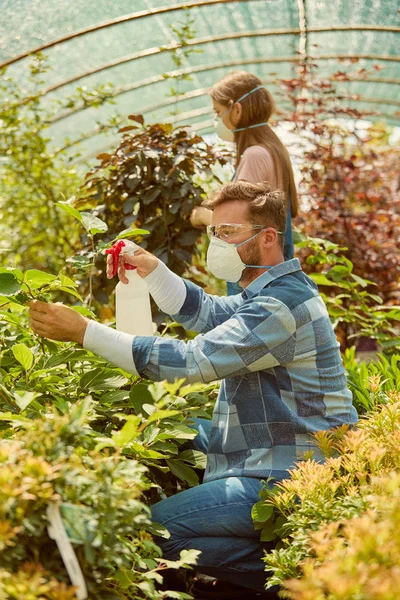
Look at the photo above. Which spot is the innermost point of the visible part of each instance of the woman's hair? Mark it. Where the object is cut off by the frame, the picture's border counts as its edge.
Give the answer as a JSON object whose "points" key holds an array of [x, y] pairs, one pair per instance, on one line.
{"points": [[265, 205], [256, 108]]}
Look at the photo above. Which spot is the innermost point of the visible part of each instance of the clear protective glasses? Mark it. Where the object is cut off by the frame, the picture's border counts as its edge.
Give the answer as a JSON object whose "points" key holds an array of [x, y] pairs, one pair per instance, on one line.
{"points": [[225, 231]]}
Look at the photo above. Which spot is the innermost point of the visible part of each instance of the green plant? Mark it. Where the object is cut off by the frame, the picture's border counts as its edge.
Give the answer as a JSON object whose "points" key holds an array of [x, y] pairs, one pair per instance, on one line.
{"points": [[184, 32], [52, 460], [354, 309], [371, 381], [359, 557], [148, 421], [348, 174], [328, 494], [150, 182], [35, 175], [114, 430]]}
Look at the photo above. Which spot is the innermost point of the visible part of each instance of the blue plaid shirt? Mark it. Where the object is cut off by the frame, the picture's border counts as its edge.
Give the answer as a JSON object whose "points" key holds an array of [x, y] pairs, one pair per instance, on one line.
{"points": [[274, 348]]}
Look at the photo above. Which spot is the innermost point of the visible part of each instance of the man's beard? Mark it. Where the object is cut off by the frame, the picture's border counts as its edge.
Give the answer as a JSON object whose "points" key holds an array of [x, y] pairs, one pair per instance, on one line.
{"points": [[251, 257]]}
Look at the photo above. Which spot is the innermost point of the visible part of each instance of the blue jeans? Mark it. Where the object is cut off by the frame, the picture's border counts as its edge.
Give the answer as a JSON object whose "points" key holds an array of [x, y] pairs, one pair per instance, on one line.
{"points": [[215, 517]]}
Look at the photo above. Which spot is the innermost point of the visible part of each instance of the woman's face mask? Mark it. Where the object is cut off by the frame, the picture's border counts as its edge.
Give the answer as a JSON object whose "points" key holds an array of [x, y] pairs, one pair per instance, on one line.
{"points": [[223, 131], [224, 262]]}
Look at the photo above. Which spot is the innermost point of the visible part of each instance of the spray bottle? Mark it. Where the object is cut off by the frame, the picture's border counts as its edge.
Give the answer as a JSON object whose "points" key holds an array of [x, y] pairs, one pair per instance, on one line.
{"points": [[132, 300]]}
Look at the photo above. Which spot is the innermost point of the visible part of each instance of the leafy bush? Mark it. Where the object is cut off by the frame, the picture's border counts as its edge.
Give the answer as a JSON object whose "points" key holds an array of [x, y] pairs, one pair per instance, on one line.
{"points": [[370, 382], [130, 435], [320, 501], [150, 182], [34, 175], [359, 557], [53, 460], [35, 373], [349, 175], [355, 310]]}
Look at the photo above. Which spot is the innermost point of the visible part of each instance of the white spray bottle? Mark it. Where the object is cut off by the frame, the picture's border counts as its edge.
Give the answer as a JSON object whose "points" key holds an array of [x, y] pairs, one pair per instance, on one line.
{"points": [[132, 300]]}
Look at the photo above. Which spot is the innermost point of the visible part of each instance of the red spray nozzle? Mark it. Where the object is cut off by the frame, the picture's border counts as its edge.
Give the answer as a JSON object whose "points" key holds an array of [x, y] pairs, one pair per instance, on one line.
{"points": [[115, 251]]}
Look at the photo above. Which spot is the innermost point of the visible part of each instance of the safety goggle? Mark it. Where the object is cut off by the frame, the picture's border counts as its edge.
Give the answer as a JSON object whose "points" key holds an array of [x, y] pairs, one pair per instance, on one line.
{"points": [[225, 231]]}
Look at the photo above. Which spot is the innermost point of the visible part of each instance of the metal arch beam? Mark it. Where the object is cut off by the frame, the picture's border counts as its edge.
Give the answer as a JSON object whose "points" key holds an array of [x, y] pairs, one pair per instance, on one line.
{"points": [[203, 68], [197, 127], [118, 21], [170, 47], [207, 40], [203, 92], [205, 111]]}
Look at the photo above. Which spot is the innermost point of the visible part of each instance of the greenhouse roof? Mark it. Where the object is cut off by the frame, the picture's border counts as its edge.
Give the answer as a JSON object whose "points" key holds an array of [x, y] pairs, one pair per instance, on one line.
{"points": [[132, 45]]}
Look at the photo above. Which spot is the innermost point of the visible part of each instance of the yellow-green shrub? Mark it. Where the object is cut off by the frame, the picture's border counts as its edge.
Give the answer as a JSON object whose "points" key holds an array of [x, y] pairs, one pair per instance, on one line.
{"points": [[52, 459], [318, 506], [357, 558]]}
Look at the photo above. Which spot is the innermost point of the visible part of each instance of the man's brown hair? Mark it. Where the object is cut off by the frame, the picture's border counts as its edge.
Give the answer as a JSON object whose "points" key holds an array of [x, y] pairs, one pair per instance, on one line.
{"points": [[266, 206]]}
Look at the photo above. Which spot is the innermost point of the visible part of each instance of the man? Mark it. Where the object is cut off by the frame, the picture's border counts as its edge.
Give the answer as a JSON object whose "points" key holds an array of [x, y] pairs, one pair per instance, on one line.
{"points": [[275, 352]]}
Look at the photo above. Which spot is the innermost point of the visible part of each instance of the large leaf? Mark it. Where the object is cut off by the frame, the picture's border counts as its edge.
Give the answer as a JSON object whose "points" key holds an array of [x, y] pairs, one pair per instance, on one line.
{"points": [[320, 279], [180, 432], [35, 278], [195, 458], [66, 356], [102, 379], [128, 432], [268, 533], [261, 511], [70, 210], [183, 471], [93, 224], [128, 233], [23, 355], [138, 396], [158, 415], [23, 398], [9, 284]]}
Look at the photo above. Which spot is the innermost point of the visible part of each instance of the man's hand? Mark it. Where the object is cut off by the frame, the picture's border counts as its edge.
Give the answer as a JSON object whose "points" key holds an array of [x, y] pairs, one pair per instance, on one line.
{"points": [[57, 322], [143, 260]]}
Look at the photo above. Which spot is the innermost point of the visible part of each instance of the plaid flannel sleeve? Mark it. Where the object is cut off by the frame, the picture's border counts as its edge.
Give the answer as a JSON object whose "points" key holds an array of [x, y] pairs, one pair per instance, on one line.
{"points": [[259, 335], [202, 312]]}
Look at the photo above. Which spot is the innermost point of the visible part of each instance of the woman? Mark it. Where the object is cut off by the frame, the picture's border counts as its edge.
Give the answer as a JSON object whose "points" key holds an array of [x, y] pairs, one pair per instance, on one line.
{"points": [[243, 107]]}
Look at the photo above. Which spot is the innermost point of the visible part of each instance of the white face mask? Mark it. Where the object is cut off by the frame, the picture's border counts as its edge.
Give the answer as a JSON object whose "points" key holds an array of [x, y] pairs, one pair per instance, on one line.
{"points": [[228, 135], [224, 262], [224, 132]]}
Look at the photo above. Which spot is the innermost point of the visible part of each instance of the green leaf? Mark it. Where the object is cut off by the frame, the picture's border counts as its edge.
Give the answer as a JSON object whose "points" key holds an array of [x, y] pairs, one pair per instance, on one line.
{"points": [[195, 458], [128, 233], [70, 210], [9, 284], [102, 379], [180, 432], [128, 432], [145, 452], [320, 279], [70, 355], [159, 415], [35, 278], [138, 396], [261, 511], [186, 558], [66, 281], [93, 224], [23, 399], [183, 472], [82, 310], [23, 355], [268, 533]]}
